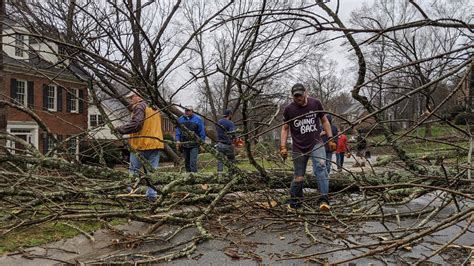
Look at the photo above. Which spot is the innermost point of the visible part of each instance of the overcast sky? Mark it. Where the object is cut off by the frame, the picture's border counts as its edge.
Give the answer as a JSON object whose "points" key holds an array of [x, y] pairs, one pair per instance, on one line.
{"points": [[338, 53], [347, 6]]}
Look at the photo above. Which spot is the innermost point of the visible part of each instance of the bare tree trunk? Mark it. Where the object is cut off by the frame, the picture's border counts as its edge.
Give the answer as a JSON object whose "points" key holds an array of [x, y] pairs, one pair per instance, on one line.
{"points": [[470, 94], [363, 100], [3, 111], [469, 158], [469, 122]]}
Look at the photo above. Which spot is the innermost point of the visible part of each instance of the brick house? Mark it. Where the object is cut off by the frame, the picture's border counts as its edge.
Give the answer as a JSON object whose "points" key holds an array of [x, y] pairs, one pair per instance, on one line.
{"points": [[33, 77]]}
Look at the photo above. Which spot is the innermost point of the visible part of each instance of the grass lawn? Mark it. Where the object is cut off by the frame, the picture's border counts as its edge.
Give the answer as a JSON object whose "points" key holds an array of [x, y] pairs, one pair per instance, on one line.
{"points": [[209, 164], [437, 131], [48, 232], [424, 147]]}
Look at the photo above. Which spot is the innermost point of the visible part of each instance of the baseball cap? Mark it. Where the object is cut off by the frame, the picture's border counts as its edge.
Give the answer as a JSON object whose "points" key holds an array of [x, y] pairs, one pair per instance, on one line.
{"points": [[298, 89], [329, 117], [188, 108], [227, 112]]}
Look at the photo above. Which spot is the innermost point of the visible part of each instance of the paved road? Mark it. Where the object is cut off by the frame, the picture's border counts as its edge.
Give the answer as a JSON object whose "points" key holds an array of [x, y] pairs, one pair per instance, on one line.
{"points": [[270, 244]]}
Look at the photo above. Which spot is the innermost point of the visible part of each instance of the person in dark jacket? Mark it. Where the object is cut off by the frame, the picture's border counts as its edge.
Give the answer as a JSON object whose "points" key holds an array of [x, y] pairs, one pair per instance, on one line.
{"points": [[225, 129], [187, 143], [324, 137]]}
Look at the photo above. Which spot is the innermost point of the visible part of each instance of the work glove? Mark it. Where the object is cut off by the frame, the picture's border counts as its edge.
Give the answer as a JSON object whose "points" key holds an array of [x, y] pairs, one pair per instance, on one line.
{"points": [[178, 146], [283, 152], [332, 145]]}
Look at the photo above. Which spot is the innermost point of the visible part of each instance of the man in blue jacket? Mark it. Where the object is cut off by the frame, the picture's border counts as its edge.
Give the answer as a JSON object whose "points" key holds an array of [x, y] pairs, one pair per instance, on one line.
{"points": [[225, 129], [188, 145]]}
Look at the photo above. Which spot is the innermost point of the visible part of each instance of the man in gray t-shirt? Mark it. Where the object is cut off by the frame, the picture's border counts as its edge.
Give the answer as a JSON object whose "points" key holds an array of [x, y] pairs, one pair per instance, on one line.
{"points": [[303, 117]]}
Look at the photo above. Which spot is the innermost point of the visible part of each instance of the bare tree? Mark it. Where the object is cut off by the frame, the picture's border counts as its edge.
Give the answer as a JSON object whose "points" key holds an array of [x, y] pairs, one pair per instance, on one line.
{"points": [[322, 78], [246, 53], [402, 47]]}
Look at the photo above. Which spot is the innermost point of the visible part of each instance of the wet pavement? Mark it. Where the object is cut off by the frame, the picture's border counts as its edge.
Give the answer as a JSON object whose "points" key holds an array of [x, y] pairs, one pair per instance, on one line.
{"points": [[262, 243]]}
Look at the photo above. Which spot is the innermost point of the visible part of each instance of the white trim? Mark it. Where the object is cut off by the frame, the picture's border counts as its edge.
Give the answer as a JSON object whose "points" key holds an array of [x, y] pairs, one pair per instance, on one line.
{"points": [[25, 125], [76, 140], [75, 99], [25, 82], [20, 40], [55, 98]]}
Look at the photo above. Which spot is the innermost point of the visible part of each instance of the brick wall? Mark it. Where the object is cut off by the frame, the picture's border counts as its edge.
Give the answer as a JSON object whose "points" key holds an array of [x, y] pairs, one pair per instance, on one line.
{"points": [[62, 122]]}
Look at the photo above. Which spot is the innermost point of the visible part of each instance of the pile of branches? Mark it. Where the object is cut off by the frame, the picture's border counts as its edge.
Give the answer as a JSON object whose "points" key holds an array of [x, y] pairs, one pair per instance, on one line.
{"points": [[126, 45], [41, 190]]}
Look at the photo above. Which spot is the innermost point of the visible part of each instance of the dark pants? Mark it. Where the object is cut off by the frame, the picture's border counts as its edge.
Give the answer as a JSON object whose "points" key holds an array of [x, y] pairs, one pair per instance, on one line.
{"points": [[190, 158], [340, 160], [226, 150]]}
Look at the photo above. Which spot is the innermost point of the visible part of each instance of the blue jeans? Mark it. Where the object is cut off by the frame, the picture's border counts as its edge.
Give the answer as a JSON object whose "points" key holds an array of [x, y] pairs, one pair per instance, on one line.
{"points": [[226, 150], [153, 156], [340, 160], [190, 159], [328, 161], [318, 158]]}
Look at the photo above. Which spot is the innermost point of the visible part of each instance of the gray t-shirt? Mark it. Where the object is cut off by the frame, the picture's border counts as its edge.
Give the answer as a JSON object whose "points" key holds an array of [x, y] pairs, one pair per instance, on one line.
{"points": [[304, 122]]}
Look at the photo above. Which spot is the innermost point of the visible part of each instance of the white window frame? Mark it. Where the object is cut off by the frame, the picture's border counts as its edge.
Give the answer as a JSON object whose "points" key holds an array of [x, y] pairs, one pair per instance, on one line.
{"points": [[24, 101], [20, 45], [51, 143], [55, 100], [98, 122], [23, 125], [95, 118], [74, 99], [76, 146]]}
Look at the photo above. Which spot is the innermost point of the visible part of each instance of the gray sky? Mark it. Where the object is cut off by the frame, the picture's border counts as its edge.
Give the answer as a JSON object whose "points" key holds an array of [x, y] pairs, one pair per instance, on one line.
{"points": [[338, 53]]}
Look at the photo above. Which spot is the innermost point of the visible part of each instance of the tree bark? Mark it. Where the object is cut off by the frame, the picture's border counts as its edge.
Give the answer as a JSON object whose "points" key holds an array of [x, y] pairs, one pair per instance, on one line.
{"points": [[3, 111]]}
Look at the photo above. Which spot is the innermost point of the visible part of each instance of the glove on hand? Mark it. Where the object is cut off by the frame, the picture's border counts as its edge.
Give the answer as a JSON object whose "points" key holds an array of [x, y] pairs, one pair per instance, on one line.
{"points": [[283, 152], [332, 145]]}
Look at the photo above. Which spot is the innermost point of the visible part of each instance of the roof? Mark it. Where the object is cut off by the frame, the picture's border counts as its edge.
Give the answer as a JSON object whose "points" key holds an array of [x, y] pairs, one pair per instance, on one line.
{"points": [[36, 62], [355, 108]]}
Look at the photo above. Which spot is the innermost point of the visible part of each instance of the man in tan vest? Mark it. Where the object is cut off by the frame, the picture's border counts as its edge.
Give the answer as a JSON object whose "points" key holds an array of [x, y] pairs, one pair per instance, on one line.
{"points": [[145, 136]]}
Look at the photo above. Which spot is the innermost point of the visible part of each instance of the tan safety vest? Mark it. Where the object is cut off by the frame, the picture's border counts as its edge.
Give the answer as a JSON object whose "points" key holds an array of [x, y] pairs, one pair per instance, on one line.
{"points": [[150, 137]]}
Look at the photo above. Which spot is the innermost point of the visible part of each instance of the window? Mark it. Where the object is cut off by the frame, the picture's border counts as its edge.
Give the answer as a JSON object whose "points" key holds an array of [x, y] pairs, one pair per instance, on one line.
{"points": [[50, 143], [96, 120], [52, 97], [93, 120], [21, 92], [72, 145], [19, 45], [74, 100]]}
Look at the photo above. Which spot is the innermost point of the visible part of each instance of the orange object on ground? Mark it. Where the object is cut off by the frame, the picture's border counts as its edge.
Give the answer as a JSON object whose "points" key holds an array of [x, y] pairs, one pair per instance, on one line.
{"points": [[239, 143]]}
